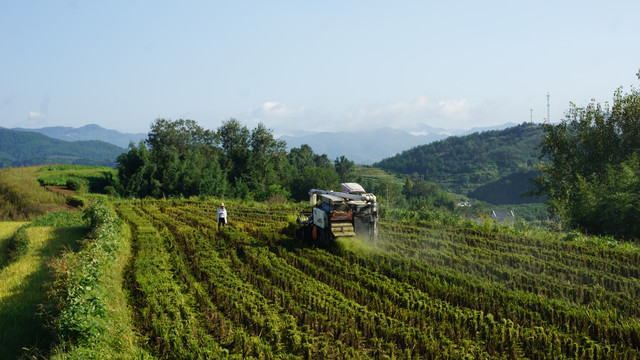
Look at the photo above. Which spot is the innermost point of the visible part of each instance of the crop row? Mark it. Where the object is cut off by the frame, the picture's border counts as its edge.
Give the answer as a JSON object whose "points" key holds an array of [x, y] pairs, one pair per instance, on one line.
{"points": [[574, 282], [251, 290]]}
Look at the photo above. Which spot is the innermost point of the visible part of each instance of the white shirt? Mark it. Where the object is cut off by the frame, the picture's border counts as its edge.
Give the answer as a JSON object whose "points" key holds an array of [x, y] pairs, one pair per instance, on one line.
{"points": [[222, 213]]}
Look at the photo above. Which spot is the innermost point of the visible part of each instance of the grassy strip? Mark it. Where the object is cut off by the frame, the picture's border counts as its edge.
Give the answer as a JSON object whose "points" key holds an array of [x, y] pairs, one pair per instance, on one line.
{"points": [[88, 312], [18, 244], [21, 284]]}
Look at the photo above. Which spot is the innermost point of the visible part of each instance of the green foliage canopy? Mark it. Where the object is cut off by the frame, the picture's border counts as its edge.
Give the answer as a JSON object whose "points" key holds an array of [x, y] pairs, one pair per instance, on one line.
{"points": [[180, 158], [424, 193], [590, 171]]}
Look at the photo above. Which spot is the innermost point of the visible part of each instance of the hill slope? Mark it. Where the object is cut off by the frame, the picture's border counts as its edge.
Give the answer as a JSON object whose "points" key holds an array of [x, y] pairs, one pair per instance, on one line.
{"points": [[462, 164], [20, 148]]}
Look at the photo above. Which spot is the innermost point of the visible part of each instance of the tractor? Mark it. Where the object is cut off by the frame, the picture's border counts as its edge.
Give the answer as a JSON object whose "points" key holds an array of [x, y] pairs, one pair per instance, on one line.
{"points": [[351, 212]]}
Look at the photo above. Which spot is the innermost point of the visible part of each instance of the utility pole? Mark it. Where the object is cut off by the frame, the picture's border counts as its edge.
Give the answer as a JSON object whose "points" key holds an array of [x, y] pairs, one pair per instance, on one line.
{"points": [[387, 196]]}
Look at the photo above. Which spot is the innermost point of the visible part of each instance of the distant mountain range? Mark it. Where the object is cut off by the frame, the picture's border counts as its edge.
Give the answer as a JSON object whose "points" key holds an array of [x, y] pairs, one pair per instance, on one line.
{"points": [[89, 132], [25, 148], [368, 146], [364, 147]]}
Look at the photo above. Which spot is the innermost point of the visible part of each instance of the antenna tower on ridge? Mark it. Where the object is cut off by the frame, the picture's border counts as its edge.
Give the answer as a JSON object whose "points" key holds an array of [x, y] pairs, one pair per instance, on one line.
{"points": [[548, 108]]}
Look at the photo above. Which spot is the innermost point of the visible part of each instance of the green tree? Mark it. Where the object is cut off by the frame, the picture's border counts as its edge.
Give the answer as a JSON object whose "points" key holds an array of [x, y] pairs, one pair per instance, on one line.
{"points": [[265, 159], [235, 142], [183, 135], [181, 159], [136, 172], [313, 177], [585, 159], [344, 167], [427, 193], [408, 186], [301, 157], [389, 192]]}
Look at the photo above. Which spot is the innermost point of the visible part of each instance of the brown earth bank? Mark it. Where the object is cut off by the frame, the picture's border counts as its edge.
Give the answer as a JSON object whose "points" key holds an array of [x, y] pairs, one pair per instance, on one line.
{"points": [[64, 192]]}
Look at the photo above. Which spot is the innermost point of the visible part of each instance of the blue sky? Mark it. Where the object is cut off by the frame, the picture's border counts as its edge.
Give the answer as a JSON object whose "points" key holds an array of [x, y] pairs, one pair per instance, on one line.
{"points": [[310, 66]]}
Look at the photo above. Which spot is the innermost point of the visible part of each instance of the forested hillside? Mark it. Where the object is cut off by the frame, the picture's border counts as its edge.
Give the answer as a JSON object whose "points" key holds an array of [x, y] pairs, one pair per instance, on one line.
{"points": [[20, 148], [463, 164]]}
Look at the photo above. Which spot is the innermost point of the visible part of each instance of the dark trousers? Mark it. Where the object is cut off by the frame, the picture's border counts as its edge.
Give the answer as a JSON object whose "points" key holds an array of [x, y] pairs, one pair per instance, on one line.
{"points": [[222, 221]]}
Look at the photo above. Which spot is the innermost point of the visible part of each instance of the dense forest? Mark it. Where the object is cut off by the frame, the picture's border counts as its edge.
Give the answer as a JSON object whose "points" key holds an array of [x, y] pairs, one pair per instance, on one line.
{"points": [[464, 164], [21, 148]]}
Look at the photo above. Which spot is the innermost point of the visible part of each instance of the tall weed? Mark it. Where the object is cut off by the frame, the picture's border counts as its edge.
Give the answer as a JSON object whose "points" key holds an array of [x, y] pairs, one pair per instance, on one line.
{"points": [[87, 312], [22, 197]]}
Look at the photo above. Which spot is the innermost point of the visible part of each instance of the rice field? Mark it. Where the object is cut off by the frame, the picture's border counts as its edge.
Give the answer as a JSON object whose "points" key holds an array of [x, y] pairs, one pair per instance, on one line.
{"points": [[422, 292]]}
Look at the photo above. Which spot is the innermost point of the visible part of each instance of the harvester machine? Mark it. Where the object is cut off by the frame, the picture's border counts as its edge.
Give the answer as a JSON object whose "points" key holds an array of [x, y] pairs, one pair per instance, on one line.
{"points": [[351, 212]]}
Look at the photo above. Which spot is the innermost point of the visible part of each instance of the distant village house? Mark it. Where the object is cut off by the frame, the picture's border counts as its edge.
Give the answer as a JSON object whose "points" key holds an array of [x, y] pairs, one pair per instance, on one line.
{"points": [[503, 217], [497, 216]]}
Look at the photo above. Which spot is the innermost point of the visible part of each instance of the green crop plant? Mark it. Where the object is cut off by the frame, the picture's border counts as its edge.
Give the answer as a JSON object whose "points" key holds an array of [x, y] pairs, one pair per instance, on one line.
{"points": [[429, 288]]}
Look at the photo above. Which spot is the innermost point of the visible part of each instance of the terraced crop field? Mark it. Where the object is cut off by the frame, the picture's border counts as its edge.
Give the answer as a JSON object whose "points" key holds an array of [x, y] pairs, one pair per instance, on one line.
{"points": [[253, 290]]}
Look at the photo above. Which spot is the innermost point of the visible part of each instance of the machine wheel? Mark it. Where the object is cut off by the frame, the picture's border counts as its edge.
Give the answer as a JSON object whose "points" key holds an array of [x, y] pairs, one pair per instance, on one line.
{"points": [[325, 237]]}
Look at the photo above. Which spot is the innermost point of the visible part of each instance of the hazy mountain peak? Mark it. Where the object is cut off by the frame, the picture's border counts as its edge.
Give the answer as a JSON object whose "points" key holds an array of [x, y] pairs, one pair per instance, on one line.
{"points": [[89, 132]]}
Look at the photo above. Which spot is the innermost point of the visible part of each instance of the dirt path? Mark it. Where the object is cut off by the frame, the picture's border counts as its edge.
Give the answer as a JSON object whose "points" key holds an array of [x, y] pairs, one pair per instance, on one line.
{"points": [[60, 190]]}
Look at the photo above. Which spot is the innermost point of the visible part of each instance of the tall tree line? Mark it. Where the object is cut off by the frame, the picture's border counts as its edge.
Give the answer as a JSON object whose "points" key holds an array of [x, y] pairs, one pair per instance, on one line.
{"points": [[180, 158], [590, 170]]}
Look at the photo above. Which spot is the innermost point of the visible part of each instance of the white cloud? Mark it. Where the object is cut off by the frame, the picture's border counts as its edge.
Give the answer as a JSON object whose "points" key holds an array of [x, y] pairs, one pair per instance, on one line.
{"points": [[275, 109], [416, 116], [455, 109], [277, 116], [35, 119], [410, 115], [36, 115]]}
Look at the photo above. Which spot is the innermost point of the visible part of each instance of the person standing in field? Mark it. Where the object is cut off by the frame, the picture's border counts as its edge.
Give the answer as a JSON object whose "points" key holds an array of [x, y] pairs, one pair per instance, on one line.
{"points": [[222, 216]]}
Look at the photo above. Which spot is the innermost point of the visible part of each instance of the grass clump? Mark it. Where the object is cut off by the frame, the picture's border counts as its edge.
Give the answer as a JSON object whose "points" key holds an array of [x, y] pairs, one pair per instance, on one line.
{"points": [[77, 185], [7, 232]]}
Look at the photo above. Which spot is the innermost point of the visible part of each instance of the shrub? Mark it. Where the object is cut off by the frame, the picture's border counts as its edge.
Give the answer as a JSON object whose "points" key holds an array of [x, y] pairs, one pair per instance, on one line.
{"points": [[18, 244], [111, 191], [77, 185], [76, 201]]}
